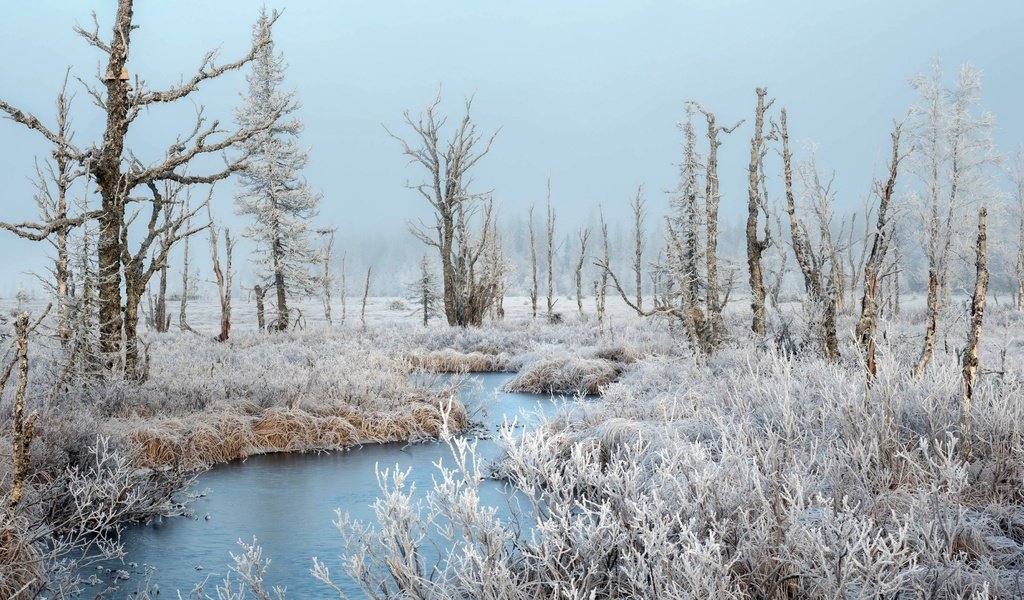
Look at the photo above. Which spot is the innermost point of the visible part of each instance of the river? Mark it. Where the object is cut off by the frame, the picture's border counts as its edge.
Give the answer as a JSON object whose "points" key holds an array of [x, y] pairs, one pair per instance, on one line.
{"points": [[288, 501]]}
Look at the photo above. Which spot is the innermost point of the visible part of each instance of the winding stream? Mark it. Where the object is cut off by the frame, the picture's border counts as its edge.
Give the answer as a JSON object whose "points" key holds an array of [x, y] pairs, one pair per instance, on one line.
{"points": [[287, 501]]}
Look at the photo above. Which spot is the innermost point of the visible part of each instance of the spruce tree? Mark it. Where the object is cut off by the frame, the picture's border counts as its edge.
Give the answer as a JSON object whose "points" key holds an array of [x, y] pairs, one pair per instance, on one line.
{"points": [[273, 191]]}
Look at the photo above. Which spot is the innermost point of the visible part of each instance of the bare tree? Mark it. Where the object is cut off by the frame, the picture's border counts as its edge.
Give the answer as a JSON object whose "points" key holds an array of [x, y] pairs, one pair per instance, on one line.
{"points": [[867, 326], [637, 205], [169, 222], [366, 294], [551, 255], [344, 290], [977, 315], [222, 276], [712, 198], [954, 150], [819, 283], [466, 295], [23, 427], [56, 224], [326, 280], [496, 269], [186, 279], [584, 237], [533, 265], [757, 201], [1017, 177], [118, 173], [601, 289]]}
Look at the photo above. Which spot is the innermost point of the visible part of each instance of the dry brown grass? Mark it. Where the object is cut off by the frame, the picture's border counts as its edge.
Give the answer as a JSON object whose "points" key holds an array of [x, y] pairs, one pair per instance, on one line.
{"points": [[205, 440]]}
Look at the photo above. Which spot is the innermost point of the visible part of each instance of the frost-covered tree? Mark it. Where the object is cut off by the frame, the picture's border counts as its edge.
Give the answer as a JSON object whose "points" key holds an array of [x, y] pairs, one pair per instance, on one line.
{"points": [[954, 153], [462, 223], [128, 181], [425, 291], [273, 191]]}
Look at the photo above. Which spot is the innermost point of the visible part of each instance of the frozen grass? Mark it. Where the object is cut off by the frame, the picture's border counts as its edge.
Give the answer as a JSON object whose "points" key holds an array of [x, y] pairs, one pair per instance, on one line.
{"points": [[561, 372], [752, 474]]}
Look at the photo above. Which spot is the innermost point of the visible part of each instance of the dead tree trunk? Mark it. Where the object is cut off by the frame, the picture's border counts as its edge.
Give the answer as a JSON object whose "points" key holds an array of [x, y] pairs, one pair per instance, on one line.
{"points": [[222, 277], [169, 222], [637, 205], [977, 315], [325, 276], [757, 202], [584, 238], [867, 326], [712, 197], [601, 290], [1018, 181], [261, 320], [932, 323], [366, 293], [185, 286], [533, 265], [344, 290], [823, 292], [161, 319], [23, 428], [551, 255]]}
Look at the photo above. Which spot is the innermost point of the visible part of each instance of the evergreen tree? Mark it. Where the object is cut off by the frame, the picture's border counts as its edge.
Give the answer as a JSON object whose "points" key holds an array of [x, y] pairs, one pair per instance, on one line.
{"points": [[273, 192]]}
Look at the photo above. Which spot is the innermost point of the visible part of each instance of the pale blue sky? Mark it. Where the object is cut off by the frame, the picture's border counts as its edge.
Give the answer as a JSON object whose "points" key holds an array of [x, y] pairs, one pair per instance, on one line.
{"points": [[587, 93]]}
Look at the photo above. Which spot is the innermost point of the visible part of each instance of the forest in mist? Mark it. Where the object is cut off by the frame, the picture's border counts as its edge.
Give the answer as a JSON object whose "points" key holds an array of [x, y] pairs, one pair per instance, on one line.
{"points": [[757, 383]]}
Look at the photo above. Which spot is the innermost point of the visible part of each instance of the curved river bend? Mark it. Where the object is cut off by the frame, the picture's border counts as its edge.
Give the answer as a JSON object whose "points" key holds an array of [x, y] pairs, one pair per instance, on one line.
{"points": [[288, 502]]}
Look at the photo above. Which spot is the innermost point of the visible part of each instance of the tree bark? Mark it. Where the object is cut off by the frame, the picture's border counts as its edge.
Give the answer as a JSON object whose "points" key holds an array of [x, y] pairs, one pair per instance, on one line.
{"points": [[533, 266], [366, 293], [261, 321], [712, 197], [111, 185], [638, 245], [584, 238], [755, 204], [551, 255], [977, 315], [867, 326], [281, 323]]}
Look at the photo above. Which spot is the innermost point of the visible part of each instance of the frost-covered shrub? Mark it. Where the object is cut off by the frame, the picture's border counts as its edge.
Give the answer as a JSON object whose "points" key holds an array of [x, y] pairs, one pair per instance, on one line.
{"points": [[753, 474], [69, 518], [562, 372]]}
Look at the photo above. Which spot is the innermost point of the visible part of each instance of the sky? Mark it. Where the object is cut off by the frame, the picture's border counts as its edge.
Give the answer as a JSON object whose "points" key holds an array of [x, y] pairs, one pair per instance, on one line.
{"points": [[587, 94]]}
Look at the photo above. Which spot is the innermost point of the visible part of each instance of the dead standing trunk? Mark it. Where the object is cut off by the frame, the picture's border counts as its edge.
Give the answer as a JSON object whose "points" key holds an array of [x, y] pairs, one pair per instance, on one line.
{"points": [[977, 315], [823, 291], [111, 184], [261, 320], [584, 238], [712, 197], [533, 266], [755, 204], [551, 255], [637, 205], [867, 326]]}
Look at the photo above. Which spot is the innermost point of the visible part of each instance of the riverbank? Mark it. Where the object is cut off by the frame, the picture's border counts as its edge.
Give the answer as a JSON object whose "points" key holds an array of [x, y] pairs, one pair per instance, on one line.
{"points": [[206, 403]]}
